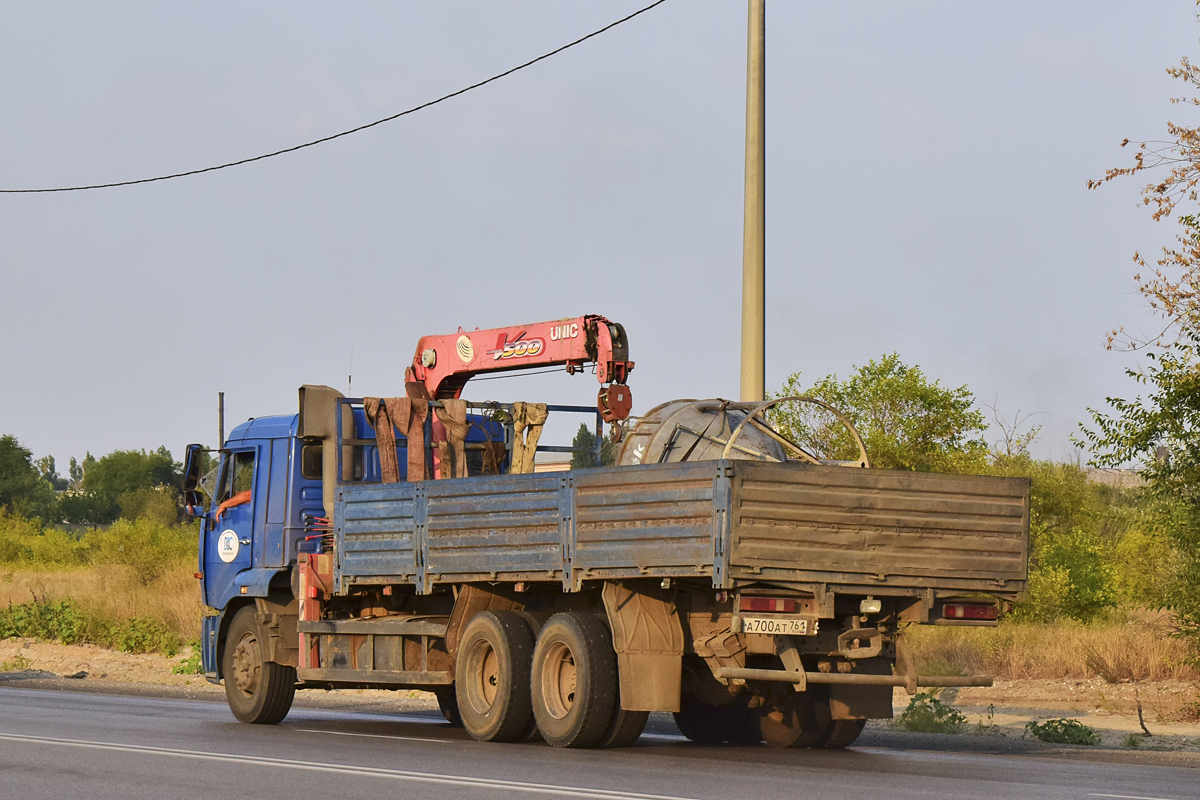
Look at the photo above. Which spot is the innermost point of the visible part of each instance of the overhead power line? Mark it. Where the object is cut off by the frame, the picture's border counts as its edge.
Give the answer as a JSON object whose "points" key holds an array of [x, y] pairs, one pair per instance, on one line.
{"points": [[331, 137]]}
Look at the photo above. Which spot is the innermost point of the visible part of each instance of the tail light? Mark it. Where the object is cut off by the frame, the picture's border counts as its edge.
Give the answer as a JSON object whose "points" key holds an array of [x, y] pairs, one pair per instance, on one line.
{"points": [[970, 611], [785, 605]]}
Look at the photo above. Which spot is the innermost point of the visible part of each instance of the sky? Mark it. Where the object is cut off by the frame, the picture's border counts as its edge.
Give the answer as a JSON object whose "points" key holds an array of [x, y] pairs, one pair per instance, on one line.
{"points": [[926, 171]]}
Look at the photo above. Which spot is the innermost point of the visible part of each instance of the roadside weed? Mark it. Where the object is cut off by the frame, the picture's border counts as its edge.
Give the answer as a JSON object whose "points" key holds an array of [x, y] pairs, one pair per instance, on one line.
{"points": [[191, 665], [19, 663], [1063, 731], [927, 714], [1132, 742]]}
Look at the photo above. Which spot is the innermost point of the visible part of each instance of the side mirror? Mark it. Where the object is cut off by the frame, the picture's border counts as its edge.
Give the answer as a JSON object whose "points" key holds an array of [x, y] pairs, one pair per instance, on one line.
{"points": [[193, 504], [192, 463]]}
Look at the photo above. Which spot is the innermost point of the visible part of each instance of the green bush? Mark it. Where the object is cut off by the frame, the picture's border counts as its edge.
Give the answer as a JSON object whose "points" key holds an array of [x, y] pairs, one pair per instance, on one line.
{"points": [[63, 621], [58, 621], [145, 546], [927, 714], [25, 542], [144, 635], [1063, 731], [153, 504], [1069, 578]]}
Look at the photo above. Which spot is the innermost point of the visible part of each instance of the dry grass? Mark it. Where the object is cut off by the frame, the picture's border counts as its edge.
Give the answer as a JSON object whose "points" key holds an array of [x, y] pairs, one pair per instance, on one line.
{"points": [[116, 592], [1136, 646]]}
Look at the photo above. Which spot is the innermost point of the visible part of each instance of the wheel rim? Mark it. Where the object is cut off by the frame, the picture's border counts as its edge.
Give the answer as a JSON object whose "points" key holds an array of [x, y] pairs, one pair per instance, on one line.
{"points": [[559, 676], [484, 683], [247, 664]]}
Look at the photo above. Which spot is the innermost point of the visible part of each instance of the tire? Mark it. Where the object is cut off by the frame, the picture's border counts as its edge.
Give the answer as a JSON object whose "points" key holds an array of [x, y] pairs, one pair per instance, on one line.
{"points": [[802, 721], [448, 704], [733, 723], [625, 727], [492, 677], [258, 691], [843, 732], [574, 680]]}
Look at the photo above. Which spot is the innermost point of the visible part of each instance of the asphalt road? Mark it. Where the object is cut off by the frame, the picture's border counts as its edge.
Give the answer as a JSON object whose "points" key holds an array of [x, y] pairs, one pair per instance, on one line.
{"points": [[65, 745]]}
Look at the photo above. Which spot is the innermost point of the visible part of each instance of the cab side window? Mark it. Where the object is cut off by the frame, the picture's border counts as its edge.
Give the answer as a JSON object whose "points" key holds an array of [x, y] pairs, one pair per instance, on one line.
{"points": [[238, 475], [310, 461]]}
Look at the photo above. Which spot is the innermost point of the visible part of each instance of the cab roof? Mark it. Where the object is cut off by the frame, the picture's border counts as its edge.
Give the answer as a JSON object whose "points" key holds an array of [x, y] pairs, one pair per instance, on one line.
{"points": [[278, 427]]}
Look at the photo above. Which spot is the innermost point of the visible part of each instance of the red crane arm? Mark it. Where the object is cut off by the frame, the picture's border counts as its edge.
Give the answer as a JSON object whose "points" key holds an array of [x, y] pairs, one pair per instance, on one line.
{"points": [[443, 364]]}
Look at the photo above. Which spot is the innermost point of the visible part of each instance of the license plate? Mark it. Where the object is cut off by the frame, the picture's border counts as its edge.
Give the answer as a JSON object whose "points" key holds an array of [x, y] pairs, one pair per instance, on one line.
{"points": [[788, 627]]}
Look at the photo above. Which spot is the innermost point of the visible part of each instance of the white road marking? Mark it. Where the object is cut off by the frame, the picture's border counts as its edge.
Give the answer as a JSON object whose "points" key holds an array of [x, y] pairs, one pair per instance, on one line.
{"points": [[670, 737], [369, 772], [373, 735], [660, 736], [1130, 797]]}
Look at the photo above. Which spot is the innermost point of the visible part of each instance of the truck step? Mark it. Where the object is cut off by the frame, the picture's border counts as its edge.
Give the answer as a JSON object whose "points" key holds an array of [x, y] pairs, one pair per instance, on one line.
{"points": [[375, 676], [384, 626]]}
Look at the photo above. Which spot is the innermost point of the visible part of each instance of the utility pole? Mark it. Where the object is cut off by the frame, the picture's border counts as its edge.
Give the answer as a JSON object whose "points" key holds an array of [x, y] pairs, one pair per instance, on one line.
{"points": [[220, 420], [754, 299]]}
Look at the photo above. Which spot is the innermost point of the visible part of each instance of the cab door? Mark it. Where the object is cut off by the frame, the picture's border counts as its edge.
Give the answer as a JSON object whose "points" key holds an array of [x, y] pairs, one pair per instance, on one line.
{"points": [[230, 541]]}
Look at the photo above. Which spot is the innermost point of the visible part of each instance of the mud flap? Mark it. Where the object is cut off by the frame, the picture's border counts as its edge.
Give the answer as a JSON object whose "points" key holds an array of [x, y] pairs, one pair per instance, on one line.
{"points": [[648, 638]]}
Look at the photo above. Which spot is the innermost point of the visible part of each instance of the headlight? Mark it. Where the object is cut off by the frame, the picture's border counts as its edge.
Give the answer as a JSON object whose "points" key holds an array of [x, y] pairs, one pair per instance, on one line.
{"points": [[870, 606]]}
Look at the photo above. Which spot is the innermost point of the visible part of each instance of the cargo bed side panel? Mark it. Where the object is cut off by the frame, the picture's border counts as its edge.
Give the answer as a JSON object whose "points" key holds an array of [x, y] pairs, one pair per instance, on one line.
{"points": [[376, 533], [494, 528], [649, 520], [879, 527]]}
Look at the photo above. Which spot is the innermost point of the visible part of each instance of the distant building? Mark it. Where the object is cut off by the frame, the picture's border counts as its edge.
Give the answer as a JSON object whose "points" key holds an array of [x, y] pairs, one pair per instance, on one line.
{"points": [[1121, 478]]}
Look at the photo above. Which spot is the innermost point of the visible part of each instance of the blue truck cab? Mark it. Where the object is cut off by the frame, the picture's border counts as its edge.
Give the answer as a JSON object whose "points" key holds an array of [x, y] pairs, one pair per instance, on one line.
{"points": [[262, 505]]}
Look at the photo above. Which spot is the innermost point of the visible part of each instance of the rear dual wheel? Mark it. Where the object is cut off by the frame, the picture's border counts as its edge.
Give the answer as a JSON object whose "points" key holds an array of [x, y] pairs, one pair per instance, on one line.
{"points": [[803, 719], [565, 688], [574, 685], [492, 677], [733, 723]]}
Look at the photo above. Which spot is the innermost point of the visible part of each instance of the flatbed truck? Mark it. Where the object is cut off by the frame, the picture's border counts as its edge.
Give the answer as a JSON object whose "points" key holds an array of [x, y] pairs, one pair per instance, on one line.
{"points": [[711, 573]]}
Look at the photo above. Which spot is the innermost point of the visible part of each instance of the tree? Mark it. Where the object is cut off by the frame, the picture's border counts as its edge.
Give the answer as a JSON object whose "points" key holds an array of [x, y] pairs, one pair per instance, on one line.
{"points": [[906, 421], [75, 474], [1161, 433], [1076, 528], [22, 489], [1173, 288], [129, 483], [45, 466], [129, 470], [585, 441]]}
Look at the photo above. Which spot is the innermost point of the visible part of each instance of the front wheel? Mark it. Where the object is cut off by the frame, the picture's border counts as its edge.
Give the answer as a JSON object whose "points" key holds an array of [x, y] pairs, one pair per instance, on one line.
{"points": [[258, 691]]}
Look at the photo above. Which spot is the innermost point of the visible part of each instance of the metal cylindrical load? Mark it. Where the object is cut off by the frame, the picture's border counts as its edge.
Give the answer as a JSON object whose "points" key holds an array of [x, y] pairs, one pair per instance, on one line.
{"points": [[696, 430], [705, 430]]}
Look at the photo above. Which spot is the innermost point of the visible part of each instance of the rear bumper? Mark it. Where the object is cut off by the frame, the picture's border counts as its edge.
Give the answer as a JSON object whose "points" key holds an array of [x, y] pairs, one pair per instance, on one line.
{"points": [[911, 683]]}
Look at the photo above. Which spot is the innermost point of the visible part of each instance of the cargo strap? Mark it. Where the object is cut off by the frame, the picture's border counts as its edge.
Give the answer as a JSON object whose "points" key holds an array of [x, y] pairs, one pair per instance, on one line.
{"points": [[407, 414], [528, 419], [452, 454]]}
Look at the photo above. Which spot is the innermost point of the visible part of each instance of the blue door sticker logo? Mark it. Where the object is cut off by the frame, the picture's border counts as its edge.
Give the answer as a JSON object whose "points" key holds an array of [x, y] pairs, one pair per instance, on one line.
{"points": [[228, 546]]}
